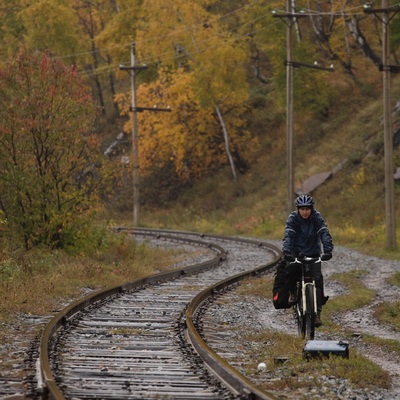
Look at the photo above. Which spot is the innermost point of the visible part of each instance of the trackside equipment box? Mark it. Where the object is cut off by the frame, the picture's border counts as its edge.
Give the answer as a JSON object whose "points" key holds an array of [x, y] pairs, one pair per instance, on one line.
{"points": [[325, 348]]}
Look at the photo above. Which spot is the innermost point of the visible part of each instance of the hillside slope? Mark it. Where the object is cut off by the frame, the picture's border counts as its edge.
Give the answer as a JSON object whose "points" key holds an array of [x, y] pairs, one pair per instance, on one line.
{"points": [[349, 141]]}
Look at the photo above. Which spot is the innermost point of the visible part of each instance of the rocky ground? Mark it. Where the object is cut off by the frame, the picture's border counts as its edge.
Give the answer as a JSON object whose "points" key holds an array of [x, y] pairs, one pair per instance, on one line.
{"points": [[260, 314], [17, 357]]}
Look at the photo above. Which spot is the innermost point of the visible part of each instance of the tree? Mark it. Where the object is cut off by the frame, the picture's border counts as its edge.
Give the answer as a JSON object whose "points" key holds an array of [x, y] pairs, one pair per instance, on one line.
{"points": [[11, 27], [52, 26], [194, 41], [69, 30], [188, 136], [119, 21], [48, 154]]}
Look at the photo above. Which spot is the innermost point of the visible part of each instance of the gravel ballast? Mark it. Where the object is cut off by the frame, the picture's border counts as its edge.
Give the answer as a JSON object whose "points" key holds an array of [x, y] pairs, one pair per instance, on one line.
{"points": [[253, 314]]}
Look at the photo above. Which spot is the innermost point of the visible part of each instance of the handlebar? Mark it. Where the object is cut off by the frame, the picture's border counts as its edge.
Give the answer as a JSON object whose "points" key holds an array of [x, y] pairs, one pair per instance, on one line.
{"points": [[307, 260]]}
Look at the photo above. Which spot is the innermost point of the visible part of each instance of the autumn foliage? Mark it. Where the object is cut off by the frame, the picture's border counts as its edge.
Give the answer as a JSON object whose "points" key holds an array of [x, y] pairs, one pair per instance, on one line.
{"points": [[48, 155], [189, 136], [218, 65]]}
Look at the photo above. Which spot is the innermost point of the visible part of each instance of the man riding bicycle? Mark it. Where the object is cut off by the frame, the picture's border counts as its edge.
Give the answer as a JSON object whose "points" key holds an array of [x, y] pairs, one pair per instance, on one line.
{"points": [[305, 231]]}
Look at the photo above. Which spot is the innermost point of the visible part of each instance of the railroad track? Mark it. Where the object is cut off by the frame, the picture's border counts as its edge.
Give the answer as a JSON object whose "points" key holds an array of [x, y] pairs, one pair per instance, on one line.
{"points": [[144, 339]]}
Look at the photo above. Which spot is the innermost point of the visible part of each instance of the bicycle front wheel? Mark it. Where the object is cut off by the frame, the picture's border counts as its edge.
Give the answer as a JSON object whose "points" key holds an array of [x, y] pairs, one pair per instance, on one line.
{"points": [[310, 313], [300, 316]]}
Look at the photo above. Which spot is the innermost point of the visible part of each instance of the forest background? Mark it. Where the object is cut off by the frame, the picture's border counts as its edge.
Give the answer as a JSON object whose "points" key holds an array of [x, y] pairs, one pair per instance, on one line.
{"points": [[217, 161]]}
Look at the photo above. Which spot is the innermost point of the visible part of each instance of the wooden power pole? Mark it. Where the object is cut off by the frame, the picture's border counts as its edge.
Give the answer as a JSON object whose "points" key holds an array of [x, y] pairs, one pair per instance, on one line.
{"points": [[134, 69], [289, 110], [385, 14], [290, 19]]}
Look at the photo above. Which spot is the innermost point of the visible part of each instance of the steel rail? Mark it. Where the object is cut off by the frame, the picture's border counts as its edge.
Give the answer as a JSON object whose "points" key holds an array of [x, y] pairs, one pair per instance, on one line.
{"points": [[153, 232], [221, 368], [50, 388]]}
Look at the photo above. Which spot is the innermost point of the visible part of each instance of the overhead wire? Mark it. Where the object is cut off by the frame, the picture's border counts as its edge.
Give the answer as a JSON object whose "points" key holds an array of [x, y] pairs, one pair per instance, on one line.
{"points": [[186, 28], [152, 39], [166, 56], [347, 11]]}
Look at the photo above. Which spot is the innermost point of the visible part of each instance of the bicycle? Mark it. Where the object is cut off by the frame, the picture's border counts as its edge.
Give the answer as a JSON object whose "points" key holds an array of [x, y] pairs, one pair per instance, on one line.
{"points": [[305, 309]]}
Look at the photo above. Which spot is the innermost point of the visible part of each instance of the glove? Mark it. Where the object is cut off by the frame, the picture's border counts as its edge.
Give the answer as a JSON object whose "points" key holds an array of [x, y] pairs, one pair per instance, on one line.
{"points": [[326, 256], [288, 257]]}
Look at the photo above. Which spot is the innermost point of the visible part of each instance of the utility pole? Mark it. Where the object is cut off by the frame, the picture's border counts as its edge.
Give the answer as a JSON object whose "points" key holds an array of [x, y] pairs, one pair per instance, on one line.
{"points": [[388, 134], [289, 105], [387, 14], [290, 19], [134, 70], [135, 141]]}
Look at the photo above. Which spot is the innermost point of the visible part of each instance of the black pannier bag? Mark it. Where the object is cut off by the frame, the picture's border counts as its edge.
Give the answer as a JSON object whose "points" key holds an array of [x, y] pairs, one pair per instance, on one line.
{"points": [[280, 290]]}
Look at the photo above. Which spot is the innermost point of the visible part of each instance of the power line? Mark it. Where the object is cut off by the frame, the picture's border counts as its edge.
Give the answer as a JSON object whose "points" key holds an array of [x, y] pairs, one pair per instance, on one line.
{"points": [[306, 12], [154, 38], [165, 57]]}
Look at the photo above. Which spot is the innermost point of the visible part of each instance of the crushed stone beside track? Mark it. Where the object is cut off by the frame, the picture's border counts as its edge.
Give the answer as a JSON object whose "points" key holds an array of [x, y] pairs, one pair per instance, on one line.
{"points": [[258, 314], [244, 315]]}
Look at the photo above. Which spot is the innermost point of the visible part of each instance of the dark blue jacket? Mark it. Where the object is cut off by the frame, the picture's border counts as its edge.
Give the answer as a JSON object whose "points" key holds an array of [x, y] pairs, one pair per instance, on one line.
{"points": [[306, 235]]}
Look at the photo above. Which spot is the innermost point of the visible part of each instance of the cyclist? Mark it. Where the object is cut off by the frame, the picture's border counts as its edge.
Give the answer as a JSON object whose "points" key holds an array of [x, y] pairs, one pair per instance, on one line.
{"points": [[305, 231]]}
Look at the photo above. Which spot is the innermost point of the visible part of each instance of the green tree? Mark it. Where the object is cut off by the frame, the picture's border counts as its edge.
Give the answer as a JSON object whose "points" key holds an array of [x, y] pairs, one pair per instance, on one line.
{"points": [[120, 25], [118, 21], [52, 26], [11, 28], [48, 155], [69, 29]]}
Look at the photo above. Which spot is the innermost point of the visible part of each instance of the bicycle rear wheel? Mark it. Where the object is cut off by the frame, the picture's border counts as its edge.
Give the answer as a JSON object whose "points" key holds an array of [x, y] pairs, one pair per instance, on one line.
{"points": [[310, 313]]}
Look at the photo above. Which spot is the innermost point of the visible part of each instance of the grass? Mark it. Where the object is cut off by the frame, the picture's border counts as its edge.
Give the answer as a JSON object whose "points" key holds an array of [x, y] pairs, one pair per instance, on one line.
{"points": [[388, 313], [296, 373], [300, 373], [387, 345], [395, 279], [38, 281], [260, 287], [358, 294]]}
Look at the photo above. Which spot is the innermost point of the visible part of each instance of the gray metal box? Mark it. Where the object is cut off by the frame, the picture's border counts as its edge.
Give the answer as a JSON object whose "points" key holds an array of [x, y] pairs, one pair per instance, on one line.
{"points": [[325, 348]]}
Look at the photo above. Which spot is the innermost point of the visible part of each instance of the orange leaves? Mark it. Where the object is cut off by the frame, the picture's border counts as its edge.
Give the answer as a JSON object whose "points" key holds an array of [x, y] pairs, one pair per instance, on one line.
{"points": [[124, 103], [189, 136]]}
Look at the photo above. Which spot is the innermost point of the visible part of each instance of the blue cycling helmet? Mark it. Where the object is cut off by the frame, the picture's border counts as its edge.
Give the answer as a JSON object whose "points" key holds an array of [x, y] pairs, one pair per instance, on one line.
{"points": [[304, 200]]}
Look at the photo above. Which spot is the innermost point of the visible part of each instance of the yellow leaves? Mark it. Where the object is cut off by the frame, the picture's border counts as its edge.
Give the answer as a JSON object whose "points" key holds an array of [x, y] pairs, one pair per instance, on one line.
{"points": [[359, 179], [119, 29], [124, 103], [180, 31], [51, 26], [189, 136]]}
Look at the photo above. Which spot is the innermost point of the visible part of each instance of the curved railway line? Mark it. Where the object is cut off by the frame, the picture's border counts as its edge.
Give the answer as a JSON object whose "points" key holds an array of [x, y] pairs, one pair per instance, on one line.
{"points": [[145, 339]]}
